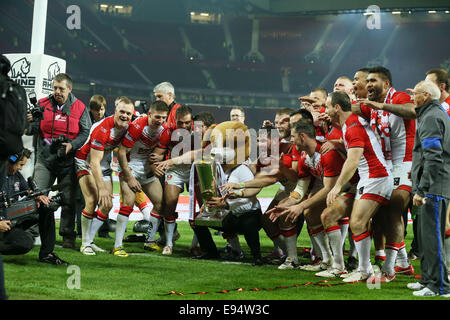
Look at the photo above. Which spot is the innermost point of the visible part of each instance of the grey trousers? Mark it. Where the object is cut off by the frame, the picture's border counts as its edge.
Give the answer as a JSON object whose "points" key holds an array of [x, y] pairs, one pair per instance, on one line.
{"points": [[431, 234], [44, 178]]}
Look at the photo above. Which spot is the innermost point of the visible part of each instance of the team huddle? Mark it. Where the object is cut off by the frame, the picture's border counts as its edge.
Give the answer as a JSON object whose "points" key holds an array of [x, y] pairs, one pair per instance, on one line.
{"points": [[344, 162]]}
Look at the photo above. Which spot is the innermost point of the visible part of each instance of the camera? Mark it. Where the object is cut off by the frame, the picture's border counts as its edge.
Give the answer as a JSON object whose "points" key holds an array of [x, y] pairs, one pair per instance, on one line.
{"points": [[57, 146], [36, 110], [56, 201]]}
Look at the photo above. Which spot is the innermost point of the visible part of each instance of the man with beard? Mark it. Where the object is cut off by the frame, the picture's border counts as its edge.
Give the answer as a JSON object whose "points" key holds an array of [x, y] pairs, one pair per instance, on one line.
{"points": [[397, 137], [176, 141], [360, 90], [364, 153]]}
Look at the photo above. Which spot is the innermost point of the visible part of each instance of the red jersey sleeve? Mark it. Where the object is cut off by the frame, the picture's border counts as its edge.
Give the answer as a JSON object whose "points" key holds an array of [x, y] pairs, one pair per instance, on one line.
{"points": [[134, 132], [355, 136], [365, 110], [400, 97], [98, 138], [165, 139], [302, 169], [332, 163]]}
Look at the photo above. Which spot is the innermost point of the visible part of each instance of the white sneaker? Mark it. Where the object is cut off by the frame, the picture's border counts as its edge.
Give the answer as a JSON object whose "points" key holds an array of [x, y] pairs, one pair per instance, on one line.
{"points": [[425, 292], [167, 251], [96, 248], [346, 275], [317, 267], [288, 264], [415, 286], [376, 269], [358, 276], [311, 267], [331, 273], [87, 250]]}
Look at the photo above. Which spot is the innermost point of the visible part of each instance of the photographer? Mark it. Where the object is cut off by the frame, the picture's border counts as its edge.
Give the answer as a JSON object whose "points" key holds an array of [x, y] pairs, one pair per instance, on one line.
{"points": [[62, 128], [13, 104], [19, 239]]}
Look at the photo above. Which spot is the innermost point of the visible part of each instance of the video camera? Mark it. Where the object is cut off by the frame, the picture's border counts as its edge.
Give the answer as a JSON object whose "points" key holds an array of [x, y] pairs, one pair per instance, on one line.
{"points": [[143, 104], [57, 146], [36, 110], [23, 209]]}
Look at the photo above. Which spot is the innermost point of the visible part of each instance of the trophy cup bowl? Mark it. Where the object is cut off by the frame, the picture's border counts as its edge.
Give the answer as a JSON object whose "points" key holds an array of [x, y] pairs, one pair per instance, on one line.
{"points": [[208, 189]]}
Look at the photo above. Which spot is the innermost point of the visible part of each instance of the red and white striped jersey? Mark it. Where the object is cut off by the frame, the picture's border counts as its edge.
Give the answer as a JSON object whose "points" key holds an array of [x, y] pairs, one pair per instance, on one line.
{"points": [[320, 165], [397, 133], [142, 139], [446, 105], [357, 133], [104, 136]]}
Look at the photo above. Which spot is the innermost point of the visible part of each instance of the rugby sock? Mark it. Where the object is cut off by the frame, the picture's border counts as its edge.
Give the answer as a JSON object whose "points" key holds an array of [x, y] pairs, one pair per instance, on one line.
{"points": [[146, 210], [96, 223], [363, 243], [319, 235], [391, 255], [291, 247], [121, 225], [380, 255], [86, 221], [402, 256], [169, 228], [335, 237], [153, 225], [343, 224], [315, 249]]}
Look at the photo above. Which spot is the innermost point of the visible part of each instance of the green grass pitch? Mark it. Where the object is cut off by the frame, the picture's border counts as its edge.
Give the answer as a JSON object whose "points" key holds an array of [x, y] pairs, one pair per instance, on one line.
{"points": [[150, 276]]}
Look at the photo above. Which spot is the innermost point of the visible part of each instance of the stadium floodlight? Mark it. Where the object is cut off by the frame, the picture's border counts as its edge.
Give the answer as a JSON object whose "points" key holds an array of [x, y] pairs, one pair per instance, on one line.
{"points": [[396, 12], [432, 11]]}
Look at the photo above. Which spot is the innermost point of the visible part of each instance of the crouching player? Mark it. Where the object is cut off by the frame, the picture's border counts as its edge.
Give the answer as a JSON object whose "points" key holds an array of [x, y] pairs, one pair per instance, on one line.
{"points": [[91, 160], [136, 174]]}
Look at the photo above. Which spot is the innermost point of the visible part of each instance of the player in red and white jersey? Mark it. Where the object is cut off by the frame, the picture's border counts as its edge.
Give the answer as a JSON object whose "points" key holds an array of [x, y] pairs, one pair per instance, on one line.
{"points": [[136, 175], [375, 186], [323, 169], [104, 137], [174, 143], [397, 134], [267, 173]]}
